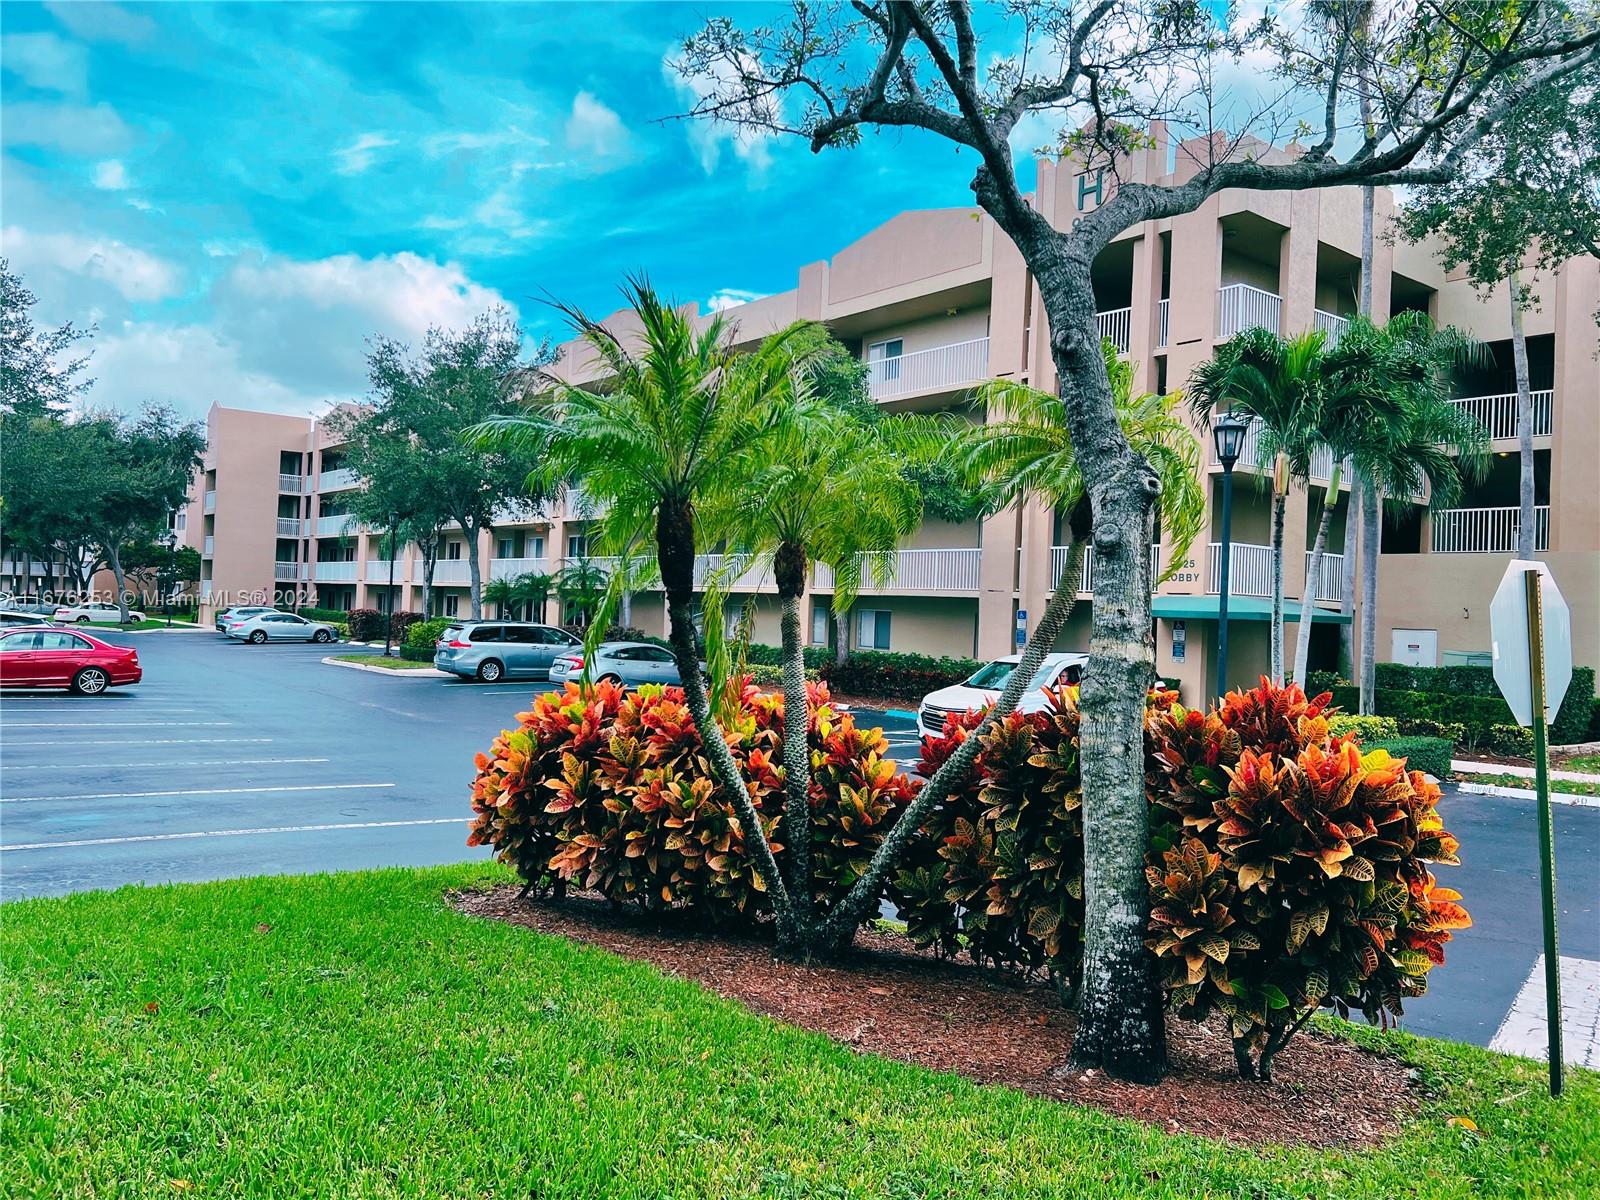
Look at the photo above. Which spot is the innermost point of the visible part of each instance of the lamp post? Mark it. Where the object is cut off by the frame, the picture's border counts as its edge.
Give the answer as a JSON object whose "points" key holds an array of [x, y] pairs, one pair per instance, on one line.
{"points": [[1227, 435], [169, 542], [388, 624]]}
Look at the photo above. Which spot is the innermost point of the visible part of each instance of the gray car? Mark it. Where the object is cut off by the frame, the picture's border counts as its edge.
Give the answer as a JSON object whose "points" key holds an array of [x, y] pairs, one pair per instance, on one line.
{"points": [[621, 662], [282, 627], [493, 650]]}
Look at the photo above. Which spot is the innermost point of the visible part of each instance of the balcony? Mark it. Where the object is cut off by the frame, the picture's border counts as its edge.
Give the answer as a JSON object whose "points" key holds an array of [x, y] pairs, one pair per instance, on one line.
{"points": [[1249, 455], [510, 568], [289, 572], [291, 527], [938, 369], [751, 576], [922, 571], [1117, 325], [1059, 557], [1250, 573], [1162, 308], [376, 571], [293, 484], [452, 571], [1498, 414], [334, 481], [1241, 307], [209, 547], [210, 505], [337, 525], [1486, 530], [1329, 580], [335, 572], [1331, 324]]}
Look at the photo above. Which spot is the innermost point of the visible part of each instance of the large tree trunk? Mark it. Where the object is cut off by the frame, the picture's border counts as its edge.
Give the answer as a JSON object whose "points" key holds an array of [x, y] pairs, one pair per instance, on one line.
{"points": [[474, 571], [790, 572], [675, 552], [1280, 504], [430, 556], [1527, 541], [1371, 522], [1347, 581], [1308, 607], [114, 556]]}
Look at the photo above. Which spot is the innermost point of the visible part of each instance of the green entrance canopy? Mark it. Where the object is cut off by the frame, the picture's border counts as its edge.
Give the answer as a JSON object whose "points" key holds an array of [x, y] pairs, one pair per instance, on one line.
{"points": [[1240, 608]]}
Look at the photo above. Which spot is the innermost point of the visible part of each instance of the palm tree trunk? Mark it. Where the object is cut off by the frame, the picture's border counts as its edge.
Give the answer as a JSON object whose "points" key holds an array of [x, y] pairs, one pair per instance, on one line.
{"points": [[841, 632], [791, 578], [1302, 638], [1280, 504], [1370, 532], [838, 928], [430, 555], [1527, 542], [1347, 581], [1347, 589]]}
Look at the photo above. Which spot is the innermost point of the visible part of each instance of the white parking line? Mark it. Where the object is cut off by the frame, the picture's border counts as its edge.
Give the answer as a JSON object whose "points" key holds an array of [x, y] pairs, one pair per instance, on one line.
{"points": [[103, 724], [198, 762], [153, 742], [176, 837], [310, 787]]}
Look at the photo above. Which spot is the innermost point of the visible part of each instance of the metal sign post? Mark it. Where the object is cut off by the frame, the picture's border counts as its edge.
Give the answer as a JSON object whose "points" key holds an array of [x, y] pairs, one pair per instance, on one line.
{"points": [[1529, 616]]}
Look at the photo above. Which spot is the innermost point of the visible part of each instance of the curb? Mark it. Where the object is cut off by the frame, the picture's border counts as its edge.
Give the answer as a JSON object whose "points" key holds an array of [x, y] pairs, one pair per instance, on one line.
{"points": [[1468, 767], [420, 673], [1492, 789]]}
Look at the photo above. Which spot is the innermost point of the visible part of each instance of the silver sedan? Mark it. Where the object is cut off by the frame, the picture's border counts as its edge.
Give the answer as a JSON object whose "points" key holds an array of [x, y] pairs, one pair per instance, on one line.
{"points": [[282, 627], [620, 662]]}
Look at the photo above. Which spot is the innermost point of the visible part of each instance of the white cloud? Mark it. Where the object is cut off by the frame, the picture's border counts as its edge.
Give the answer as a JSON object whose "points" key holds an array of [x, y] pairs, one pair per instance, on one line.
{"points": [[135, 274], [71, 128], [359, 154], [97, 22], [595, 129], [439, 144], [750, 145], [732, 298], [111, 176], [44, 61]]}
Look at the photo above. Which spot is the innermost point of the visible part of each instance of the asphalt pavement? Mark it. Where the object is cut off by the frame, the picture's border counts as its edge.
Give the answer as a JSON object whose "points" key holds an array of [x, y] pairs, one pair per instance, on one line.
{"points": [[234, 760]]}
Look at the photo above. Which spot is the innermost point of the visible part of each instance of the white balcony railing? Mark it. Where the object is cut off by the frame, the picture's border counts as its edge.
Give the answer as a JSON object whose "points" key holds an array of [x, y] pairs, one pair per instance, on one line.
{"points": [[376, 571], [293, 484], [1058, 564], [1241, 307], [1250, 454], [291, 527], [333, 481], [1162, 309], [211, 502], [1486, 530], [336, 572], [1498, 414], [1331, 324], [1116, 324], [209, 546], [935, 571], [452, 570], [1330, 573], [288, 571], [337, 525], [510, 568], [735, 572], [929, 370], [1249, 570]]}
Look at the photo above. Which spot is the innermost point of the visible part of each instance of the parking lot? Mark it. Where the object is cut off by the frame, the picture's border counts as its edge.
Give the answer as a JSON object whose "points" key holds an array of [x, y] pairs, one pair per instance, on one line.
{"points": [[236, 760]]}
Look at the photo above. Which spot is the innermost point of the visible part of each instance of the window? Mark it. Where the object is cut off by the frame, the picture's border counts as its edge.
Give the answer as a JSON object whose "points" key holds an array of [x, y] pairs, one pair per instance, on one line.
{"points": [[19, 641], [487, 633], [451, 604], [654, 654], [555, 637], [54, 640], [452, 551], [872, 629], [577, 545], [819, 625], [181, 522], [524, 635], [883, 358], [505, 548], [536, 546]]}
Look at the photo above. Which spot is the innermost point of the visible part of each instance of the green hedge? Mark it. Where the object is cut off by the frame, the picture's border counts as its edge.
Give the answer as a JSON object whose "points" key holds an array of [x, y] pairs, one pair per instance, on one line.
{"points": [[770, 677], [1571, 723], [896, 676], [1428, 754], [1366, 729], [1483, 718], [334, 616], [759, 655]]}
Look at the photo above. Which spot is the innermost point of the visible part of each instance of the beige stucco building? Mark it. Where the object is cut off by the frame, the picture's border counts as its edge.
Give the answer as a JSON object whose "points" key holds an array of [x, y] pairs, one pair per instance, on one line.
{"points": [[937, 301]]}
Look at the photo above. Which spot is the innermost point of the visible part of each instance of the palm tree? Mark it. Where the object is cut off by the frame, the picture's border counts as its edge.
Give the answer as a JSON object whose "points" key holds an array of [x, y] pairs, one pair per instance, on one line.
{"points": [[580, 584], [501, 594], [1390, 407], [828, 487], [1277, 381], [531, 589], [1024, 449]]}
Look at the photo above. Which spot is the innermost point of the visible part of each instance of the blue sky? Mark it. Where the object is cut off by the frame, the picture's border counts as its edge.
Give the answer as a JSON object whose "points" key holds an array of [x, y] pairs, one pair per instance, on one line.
{"points": [[238, 195]]}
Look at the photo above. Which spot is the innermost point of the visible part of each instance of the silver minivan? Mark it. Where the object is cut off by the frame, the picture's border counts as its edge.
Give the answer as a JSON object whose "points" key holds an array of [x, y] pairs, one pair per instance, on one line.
{"points": [[493, 650]]}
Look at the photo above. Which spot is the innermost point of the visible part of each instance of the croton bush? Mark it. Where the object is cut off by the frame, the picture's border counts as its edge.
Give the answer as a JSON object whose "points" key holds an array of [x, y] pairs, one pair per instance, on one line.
{"points": [[1287, 870], [608, 789]]}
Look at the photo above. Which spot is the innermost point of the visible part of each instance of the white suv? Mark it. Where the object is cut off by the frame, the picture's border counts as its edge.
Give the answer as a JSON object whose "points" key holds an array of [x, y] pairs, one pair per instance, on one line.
{"points": [[95, 611], [986, 684]]}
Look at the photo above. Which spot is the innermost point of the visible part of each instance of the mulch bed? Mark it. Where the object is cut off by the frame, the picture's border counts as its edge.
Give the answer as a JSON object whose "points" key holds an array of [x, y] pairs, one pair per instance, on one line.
{"points": [[893, 1000]]}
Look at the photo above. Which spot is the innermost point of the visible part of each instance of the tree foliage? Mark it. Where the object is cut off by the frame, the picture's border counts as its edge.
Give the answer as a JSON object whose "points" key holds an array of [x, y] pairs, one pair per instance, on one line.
{"points": [[39, 374]]}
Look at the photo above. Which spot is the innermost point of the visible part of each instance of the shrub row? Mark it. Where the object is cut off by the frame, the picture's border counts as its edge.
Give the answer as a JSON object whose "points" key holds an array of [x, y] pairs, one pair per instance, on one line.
{"points": [[759, 655], [764, 676], [897, 676], [334, 616], [1287, 870], [1363, 729], [1430, 754], [1468, 697], [366, 624], [1483, 722]]}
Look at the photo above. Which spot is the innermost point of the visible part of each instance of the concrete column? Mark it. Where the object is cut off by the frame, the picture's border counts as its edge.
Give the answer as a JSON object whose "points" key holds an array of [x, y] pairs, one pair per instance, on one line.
{"points": [[1146, 291], [1575, 444], [1297, 265]]}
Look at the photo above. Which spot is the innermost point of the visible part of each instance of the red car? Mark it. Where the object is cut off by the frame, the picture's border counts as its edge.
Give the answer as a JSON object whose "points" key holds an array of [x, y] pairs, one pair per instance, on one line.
{"points": [[41, 658]]}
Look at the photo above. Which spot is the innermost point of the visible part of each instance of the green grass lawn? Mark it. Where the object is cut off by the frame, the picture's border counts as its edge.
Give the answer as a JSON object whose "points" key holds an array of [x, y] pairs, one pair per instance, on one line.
{"points": [[352, 1036], [387, 664], [1582, 762], [1570, 786], [147, 623]]}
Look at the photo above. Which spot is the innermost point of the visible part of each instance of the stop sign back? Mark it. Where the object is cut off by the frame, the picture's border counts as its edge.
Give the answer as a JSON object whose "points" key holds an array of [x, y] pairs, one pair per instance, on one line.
{"points": [[1508, 627]]}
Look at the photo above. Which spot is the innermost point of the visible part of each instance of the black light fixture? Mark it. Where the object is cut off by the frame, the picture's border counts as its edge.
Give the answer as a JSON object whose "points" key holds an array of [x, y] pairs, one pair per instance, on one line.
{"points": [[1227, 435]]}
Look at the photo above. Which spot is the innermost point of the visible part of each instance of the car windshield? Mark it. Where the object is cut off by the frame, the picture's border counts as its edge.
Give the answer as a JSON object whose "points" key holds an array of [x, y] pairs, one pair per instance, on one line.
{"points": [[993, 678]]}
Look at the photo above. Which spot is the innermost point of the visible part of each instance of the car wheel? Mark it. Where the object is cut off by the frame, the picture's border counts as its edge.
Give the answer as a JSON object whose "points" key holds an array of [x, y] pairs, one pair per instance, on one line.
{"points": [[83, 620], [258, 636], [322, 635], [617, 679], [90, 681], [490, 670]]}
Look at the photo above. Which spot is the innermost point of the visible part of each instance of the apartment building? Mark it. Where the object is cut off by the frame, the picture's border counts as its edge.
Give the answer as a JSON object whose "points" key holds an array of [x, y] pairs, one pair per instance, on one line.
{"points": [[935, 302]]}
